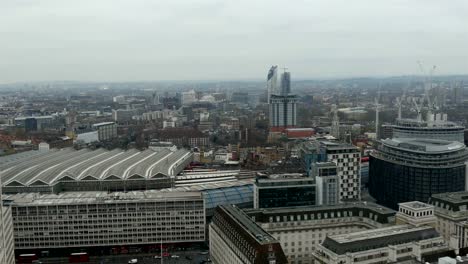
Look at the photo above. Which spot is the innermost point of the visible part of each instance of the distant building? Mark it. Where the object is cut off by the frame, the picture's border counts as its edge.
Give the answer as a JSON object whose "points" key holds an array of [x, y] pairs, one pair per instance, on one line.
{"points": [[326, 178], [236, 239], [301, 229], [285, 83], [189, 97], [393, 244], [182, 136], [386, 131], [240, 97], [403, 170], [283, 112], [106, 130], [283, 191], [272, 78], [123, 115]]}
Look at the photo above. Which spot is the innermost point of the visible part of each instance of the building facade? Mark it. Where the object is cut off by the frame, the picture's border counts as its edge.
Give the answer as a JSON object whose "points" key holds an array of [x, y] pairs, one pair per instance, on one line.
{"points": [[451, 211], [7, 246], [301, 229], [101, 219], [326, 178], [236, 239], [283, 112], [403, 170], [347, 159], [436, 128], [106, 130], [284, 191], [272, 78]]}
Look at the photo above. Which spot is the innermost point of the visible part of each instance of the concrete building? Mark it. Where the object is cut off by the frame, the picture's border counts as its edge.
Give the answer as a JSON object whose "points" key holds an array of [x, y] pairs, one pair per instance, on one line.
{"points": [[393, 244], [236, 239], [403, 170], [283, 112], [106, 130], [451, 210], [101, 219], [326, 179], [284, 190], [301, 229]]}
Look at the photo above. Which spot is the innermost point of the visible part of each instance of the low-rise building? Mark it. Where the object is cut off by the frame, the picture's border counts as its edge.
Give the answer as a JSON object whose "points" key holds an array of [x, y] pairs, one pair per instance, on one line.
{"points": [[236, 239]]}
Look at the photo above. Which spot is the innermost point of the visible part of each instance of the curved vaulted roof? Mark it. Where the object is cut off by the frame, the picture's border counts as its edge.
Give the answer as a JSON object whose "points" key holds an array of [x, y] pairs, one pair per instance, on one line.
{"points": [[48, 168]]}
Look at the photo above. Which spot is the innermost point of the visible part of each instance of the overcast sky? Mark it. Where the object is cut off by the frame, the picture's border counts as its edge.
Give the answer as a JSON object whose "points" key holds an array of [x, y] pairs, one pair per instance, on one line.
{"points": [[133, 40]]}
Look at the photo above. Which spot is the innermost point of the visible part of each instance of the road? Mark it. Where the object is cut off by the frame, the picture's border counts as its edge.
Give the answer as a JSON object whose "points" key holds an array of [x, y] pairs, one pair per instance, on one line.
{"points": [[195, 257]]}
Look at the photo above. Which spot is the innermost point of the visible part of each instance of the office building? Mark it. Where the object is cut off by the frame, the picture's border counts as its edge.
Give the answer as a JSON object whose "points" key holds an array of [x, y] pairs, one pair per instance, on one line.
{"points": [[451, 211], [188, 98], [236, 239], [102, 219], [272, 78], [301, 229], [106, 130], [347, 159], [285, 83], [283, 191], [403, 170], [326, 179], [393, 244], [283, 112]]}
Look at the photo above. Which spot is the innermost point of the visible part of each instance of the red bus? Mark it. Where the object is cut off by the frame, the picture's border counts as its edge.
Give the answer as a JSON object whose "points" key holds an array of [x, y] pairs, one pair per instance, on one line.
{"points": [[27, 258], [81, 257]]}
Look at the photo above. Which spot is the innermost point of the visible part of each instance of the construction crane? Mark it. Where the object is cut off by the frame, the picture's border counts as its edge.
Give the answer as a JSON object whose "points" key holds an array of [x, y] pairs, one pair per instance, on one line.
{"points": [[399, 103], [418, 109]]}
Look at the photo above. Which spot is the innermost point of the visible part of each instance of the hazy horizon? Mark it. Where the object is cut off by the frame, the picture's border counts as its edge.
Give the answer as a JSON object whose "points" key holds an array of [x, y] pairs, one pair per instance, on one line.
{"points": [[206, 40]]}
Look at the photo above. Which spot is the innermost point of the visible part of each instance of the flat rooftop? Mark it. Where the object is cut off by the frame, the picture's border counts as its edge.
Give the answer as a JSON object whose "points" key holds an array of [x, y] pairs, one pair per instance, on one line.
{"points": [[378, 238], [452, 197], [35, 199], [416, 205], [302, 209]]}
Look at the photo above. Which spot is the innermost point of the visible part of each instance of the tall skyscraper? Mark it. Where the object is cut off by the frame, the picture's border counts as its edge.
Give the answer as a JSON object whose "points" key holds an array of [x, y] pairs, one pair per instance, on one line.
{"points": [[272, 78], [283, 112], [285, 83], [282, 103]]}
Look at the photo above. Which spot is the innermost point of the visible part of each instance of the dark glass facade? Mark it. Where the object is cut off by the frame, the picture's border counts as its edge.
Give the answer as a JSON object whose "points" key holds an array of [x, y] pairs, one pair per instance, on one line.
{"points": [[284, 196], [392, 183]]}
